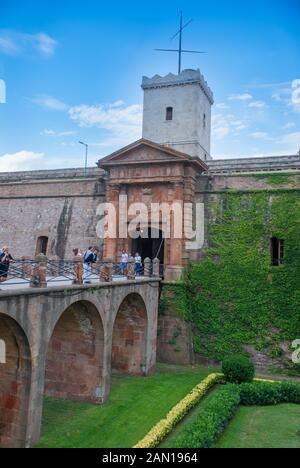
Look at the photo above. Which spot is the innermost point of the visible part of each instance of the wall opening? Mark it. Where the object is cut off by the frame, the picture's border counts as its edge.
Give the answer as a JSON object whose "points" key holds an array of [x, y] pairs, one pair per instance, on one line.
{"points": [[129, 337], [277, 251], [150, 244], [74, 364], [42, 245], [169, 113], [15, 379]]}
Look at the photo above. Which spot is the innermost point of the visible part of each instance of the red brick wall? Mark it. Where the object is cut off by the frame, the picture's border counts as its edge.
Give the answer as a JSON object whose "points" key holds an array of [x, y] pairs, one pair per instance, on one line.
{"points": [[14, 385], [74, 364], [129, 337]]}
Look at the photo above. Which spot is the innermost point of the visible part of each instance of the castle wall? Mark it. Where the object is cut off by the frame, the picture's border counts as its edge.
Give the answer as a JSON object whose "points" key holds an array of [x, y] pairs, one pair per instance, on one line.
{"points": [[62, 209]]}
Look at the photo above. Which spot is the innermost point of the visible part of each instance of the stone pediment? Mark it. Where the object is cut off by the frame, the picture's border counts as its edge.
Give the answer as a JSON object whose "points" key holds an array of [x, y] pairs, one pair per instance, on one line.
{"points": [[147, 152]]}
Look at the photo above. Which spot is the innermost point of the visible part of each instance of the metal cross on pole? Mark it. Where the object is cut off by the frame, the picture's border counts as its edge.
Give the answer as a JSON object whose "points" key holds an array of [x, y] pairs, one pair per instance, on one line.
{"points": [[180, 51]]}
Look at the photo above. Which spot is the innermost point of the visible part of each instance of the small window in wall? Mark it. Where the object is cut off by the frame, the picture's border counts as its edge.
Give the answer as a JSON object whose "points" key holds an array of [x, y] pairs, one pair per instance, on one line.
{"points": [[204, 120], [277, 251], [169, 113], [42, 245]]}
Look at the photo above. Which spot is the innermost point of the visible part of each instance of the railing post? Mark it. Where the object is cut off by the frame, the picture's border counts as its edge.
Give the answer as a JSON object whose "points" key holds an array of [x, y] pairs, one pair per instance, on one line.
{"points": [[147, 267], [131, 272], [107, 270], [39, 272], [156, 264], [26, 267], [78, 270]]}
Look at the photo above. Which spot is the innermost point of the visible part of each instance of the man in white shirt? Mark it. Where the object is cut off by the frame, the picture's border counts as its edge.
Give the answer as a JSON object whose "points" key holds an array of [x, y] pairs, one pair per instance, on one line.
{"points": [[124, 262], [138, 264]]}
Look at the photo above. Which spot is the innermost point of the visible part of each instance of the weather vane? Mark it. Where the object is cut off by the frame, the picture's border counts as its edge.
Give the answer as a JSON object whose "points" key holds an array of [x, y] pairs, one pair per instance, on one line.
{"points": [[180, 51]]}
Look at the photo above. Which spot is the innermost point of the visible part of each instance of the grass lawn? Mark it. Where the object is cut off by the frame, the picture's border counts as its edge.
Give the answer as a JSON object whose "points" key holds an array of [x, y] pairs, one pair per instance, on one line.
{"points": [[134, 406], [263, 427]]}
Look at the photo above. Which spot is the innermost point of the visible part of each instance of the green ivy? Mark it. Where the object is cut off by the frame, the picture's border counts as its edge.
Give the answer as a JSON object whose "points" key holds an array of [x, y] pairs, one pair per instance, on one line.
{"points": [[174, 299], [235, 297]]}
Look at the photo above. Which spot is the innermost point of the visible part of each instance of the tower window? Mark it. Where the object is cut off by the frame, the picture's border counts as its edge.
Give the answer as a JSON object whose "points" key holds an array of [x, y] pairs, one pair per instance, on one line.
{"points": [[169, 113], [42, 245], [204, 120], [277, 251]]}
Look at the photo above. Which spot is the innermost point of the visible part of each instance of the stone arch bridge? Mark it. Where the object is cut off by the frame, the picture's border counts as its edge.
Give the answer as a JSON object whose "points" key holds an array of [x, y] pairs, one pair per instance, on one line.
{"points": [[65, 342]]}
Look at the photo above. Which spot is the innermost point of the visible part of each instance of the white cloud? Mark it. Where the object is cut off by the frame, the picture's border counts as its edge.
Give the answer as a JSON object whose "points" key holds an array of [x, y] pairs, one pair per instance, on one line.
{"points": [[257, 104], [20, 161], [296, 94], [12, 42], [260, 136], [222, 106], [8, 46], [288, 125], [291, 141], [53, 133], [224, 124], [44, 43], [240, 97], [50, 103], [123, 121]]}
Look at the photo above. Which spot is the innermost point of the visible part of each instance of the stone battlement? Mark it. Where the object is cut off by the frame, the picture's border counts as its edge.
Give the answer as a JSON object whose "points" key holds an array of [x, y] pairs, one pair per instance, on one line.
{"points": [[267, 164], [54, 174], [186, 77]]}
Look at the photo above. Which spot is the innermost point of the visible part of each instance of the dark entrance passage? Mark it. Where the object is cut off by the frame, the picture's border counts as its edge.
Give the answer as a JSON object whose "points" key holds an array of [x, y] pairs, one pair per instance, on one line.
{"points": [[149, 247]]}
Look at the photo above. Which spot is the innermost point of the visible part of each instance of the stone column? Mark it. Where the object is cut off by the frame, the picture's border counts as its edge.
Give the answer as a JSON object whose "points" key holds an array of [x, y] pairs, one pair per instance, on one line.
{"points": [[39, 272], [107, 270], [111, 245], [174, 269], [78, 270], [147, 267], [131, 272], [156, 264]]}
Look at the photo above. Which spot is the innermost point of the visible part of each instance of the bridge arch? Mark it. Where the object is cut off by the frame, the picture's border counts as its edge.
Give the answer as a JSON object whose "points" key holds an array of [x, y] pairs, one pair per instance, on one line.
{"points": [[75, 356], [129, 337], [15, 383]]}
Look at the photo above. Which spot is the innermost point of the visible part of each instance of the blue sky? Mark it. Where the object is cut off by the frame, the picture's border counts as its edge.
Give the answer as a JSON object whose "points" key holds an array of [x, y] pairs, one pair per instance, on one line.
{"points": [[73, 71]]}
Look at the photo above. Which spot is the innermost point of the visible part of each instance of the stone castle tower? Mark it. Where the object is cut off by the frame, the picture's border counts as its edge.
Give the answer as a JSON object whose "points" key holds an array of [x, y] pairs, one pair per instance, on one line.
{"points": [[177, 112]]}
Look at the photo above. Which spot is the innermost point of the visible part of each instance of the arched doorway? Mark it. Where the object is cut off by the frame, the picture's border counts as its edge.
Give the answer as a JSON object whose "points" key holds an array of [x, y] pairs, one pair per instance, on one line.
{"points": [[129, 337], [42, 245], [15, 380], [150, 244], [74, 364]]}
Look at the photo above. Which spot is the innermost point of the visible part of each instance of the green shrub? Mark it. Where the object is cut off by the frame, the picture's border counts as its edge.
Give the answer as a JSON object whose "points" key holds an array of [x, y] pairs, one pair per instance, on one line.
{"points": [[211, 421], [267, 393], [238, 369]]}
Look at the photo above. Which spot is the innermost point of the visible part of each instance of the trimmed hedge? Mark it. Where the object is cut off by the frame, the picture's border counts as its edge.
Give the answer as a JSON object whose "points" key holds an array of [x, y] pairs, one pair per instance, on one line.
{"points": [[238, 369], [165, 426], [212, 420], [269, 393]]}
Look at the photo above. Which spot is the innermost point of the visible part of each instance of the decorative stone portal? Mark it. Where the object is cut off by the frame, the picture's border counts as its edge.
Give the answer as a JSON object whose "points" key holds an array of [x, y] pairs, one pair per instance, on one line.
{"points": [[74, 364], [129, 337], [15, 377]]}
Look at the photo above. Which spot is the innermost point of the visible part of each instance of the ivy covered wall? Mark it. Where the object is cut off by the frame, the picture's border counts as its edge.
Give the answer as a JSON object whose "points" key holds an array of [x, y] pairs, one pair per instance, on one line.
{"points": [[236, 300]]}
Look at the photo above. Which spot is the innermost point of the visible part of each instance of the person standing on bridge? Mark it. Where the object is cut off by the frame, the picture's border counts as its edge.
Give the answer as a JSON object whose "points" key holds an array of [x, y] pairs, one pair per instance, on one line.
{"points": [[124, 262], [138, 264], [88, 260], [5, 260]]}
